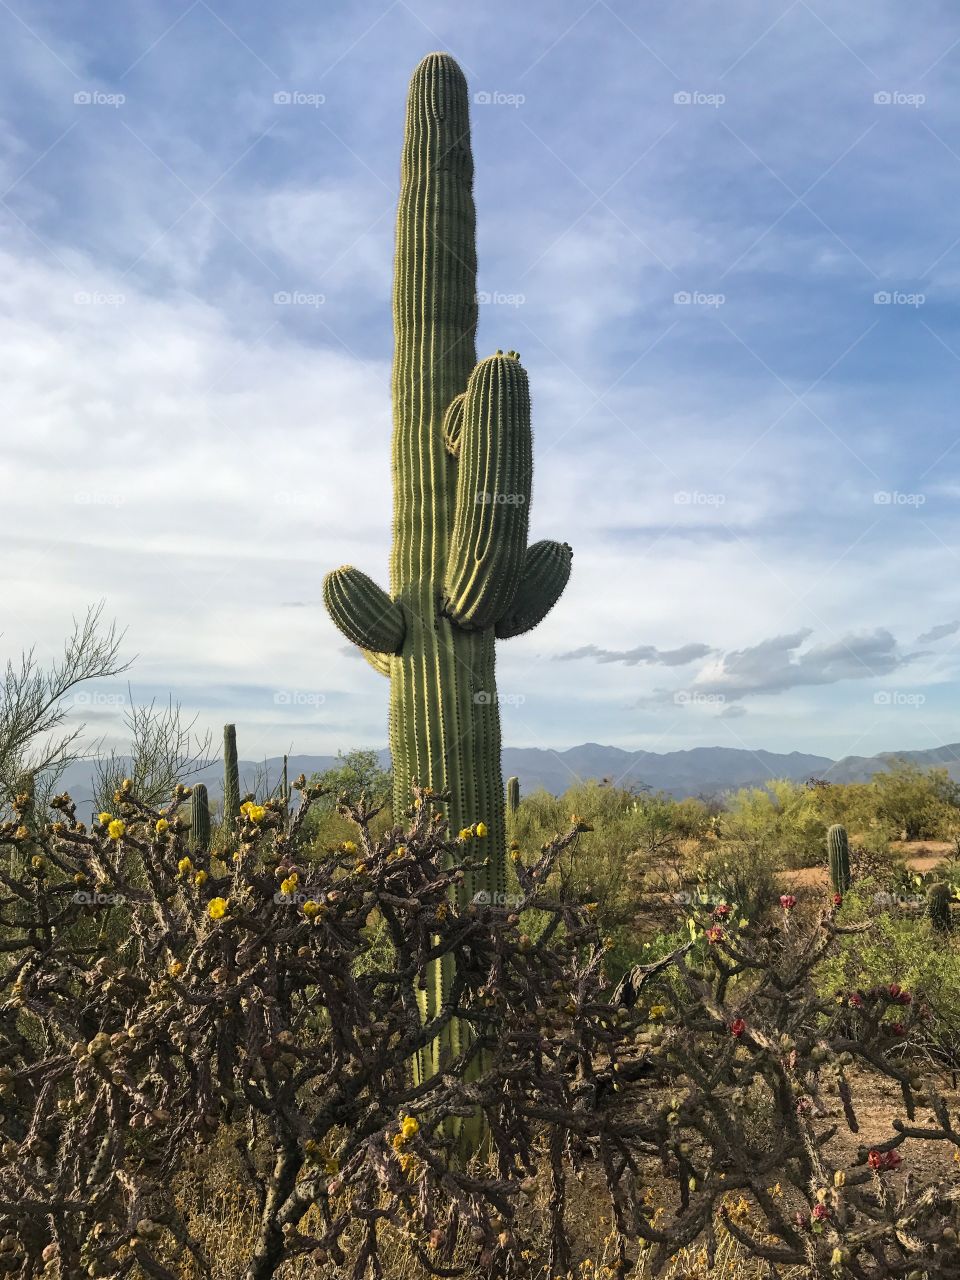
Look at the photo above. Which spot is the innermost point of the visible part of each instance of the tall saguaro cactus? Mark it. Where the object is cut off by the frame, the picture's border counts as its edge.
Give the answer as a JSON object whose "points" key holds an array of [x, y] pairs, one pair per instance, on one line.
{"points": [[513, 795], [461, 572], [199, 818]]}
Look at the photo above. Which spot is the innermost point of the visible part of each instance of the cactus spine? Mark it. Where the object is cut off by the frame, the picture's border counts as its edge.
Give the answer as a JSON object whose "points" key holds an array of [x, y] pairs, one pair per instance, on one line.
{"points": [[513, 795], [938, 907], [199, 818], [461, 572], [839, 855], [231, 778]]}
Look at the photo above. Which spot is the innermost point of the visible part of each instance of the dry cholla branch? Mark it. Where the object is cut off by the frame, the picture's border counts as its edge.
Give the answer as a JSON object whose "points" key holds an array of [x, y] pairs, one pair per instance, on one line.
{"points": [[153, 998]]}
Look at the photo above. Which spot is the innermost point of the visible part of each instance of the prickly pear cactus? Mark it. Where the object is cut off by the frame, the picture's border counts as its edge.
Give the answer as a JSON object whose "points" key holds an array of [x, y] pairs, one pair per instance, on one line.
{"points": [[838, 850], [461, 571]]}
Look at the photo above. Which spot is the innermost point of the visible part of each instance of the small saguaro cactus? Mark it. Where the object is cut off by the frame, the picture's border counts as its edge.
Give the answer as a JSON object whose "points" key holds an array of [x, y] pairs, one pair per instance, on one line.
{"points": [[513, 795], [199, 818], [938, 906], [231, 778], [461, 571], [838, 850]]}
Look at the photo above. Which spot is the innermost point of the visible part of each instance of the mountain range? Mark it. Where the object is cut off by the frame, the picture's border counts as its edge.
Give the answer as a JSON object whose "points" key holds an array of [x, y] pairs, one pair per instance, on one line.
{"points": [[699, 771]]}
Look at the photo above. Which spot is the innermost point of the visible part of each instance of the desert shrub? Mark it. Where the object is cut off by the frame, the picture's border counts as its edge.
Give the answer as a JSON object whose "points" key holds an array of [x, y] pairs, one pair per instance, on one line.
{"points": [[919, 803], [781, 820], [231, 1015]]}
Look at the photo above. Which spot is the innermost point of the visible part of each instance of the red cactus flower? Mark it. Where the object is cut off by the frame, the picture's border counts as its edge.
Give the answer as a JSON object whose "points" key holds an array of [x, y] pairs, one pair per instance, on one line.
{"points": [[837, 899], [875, 1159], [820, 1213], [904, 998], [787, 901], [881, 1161], [893, 1160], [898, 1029], [714, 934], [721, 911], [894, 990], [737, 1028], [855, 999]]}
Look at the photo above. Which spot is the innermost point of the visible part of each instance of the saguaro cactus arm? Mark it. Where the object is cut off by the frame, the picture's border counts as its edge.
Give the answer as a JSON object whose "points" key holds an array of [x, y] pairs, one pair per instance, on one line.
{"points": [[546, 570], [362, 611], [492, 508]]}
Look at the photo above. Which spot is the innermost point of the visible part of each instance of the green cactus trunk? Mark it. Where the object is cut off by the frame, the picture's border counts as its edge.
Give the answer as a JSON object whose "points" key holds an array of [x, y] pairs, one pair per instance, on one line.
{"points": [[513, 795], [231, 779], [199, 818], [938, 907], [838, 850], [461, 572]]}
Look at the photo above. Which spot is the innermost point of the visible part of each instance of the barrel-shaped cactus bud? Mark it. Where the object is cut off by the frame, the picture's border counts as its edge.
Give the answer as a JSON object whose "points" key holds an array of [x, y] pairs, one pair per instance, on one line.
{"points": [[513, 795], [838, 850], [938, 906], [199, 818], [231, 778]]}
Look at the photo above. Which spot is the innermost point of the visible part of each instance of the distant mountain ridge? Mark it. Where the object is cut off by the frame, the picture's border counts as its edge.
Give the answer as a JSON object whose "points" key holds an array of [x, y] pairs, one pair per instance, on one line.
{"points": [[697, 771]]}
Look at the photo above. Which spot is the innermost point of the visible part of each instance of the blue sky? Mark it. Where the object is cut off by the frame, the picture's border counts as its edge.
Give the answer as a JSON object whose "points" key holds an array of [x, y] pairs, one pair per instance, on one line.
{"points": [[724, 239]]}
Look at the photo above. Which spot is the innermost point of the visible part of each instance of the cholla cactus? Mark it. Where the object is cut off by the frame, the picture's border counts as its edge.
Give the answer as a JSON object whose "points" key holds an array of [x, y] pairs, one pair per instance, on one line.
{"points": [[838, 851], [199, 818], [513, 795], [938, 906], [461, 572]]}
